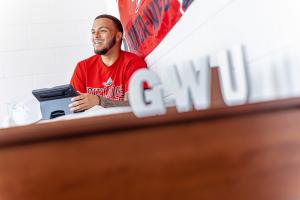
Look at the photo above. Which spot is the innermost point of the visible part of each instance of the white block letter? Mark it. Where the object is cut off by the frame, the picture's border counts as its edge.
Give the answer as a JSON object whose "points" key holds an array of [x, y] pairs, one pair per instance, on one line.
{"points": [[146, 102], [189, 86], [233, 76]]}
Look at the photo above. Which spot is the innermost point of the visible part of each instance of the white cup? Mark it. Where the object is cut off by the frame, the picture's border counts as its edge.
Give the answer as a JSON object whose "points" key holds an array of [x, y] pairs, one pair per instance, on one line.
{"points": [[5, 117], [19, 113]]}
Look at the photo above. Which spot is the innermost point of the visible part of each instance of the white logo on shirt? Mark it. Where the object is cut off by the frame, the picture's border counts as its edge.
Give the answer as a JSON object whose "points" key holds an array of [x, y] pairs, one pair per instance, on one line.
{"points": [[108, 83]]}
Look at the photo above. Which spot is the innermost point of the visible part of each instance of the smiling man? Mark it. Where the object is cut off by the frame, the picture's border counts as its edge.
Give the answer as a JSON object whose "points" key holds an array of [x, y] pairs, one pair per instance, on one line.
{"points": [[103, 79]]}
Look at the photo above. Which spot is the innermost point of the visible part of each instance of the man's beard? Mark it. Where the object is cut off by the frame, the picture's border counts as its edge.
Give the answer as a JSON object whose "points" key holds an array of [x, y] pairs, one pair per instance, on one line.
{"points": [[110, 45]]}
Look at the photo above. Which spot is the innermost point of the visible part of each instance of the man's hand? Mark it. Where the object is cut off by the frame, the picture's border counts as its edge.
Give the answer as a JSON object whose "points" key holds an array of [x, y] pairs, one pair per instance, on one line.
{"points": [[83, 101]]}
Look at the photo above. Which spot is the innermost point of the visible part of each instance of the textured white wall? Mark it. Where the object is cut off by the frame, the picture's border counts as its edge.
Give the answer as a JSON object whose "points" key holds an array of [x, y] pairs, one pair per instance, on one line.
{"points": [[40, 44], [268, 29], [41, 41]]}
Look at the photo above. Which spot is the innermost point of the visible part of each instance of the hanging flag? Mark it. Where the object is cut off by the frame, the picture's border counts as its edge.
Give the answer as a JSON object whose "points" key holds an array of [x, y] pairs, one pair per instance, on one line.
{"points": [[147, 22]]}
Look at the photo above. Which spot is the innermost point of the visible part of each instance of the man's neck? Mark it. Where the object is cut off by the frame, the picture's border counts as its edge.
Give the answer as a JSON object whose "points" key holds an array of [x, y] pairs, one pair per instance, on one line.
{"points": [[111, 56]]}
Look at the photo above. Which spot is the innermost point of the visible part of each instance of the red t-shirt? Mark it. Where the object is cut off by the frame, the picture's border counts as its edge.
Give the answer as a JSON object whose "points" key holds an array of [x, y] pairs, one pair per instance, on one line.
{"points": [[93, 76]]}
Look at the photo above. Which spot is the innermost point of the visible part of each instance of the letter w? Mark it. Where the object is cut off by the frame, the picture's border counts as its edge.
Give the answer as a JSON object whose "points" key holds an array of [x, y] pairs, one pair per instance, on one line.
{"points": [[190, 87]]}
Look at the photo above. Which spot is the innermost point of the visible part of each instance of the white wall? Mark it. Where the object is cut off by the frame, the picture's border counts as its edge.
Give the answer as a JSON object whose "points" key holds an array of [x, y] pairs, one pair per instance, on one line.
{"points": [[268, 29], [40, 43]]}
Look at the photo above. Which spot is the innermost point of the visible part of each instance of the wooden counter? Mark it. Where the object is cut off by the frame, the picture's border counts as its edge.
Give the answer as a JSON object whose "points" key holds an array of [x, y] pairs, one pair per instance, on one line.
{"points": [[243, 152]]}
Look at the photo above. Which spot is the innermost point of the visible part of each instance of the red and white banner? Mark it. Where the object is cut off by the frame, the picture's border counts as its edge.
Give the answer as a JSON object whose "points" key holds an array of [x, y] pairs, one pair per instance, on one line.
{"points": [[147, 22]]}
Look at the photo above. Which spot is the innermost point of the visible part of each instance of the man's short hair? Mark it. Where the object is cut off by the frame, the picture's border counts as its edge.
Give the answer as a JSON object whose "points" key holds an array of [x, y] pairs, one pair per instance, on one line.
{"points": [[115, 20]]}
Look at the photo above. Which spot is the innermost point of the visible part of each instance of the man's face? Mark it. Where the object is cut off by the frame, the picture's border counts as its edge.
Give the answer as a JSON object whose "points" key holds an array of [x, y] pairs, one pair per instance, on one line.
{"points": [[103, 35]]}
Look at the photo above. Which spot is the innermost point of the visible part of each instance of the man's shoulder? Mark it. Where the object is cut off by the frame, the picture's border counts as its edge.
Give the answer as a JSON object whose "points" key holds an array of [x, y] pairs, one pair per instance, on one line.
{"points": [[129, 55], [133, 57], [88, 61]]}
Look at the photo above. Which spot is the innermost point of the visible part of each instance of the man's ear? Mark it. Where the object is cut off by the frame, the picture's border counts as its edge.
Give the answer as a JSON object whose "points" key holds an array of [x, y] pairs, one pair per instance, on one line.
{"points": [[119, 36]]}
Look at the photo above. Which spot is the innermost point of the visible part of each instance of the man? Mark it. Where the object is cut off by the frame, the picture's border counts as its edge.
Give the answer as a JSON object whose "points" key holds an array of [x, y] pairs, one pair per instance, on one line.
{"points": [[103, 78]]}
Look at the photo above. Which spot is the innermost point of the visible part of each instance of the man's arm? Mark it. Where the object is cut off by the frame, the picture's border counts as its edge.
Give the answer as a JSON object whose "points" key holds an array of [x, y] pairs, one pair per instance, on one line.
{"points": [[106, 103], [85, 101]]}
